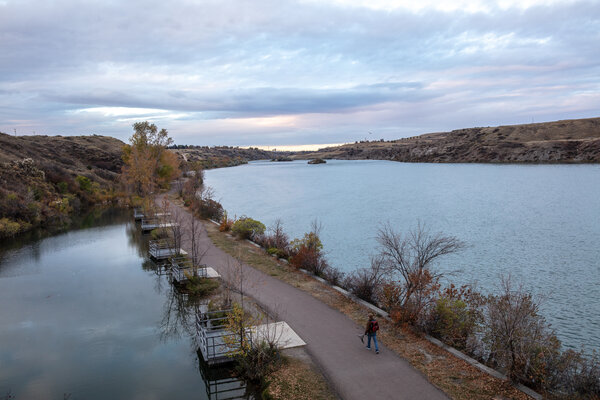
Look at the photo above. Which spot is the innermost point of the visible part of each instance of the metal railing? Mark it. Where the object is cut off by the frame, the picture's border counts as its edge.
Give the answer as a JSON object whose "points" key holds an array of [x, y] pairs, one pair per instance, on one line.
{"points": [[137, 213], [181, 265], [163, 248], [215, 342], [155, 222]]}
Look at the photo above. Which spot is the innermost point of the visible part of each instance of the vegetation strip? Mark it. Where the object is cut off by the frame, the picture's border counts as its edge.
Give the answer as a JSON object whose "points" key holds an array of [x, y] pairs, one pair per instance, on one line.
{"points": [[450, 349], [460, 381]]}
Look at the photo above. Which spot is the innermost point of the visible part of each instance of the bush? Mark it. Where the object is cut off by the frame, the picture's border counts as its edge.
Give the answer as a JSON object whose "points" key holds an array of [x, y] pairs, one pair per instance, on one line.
{"points": [[62, 187], [247, 228], [85, 183], [258, 362], [9, 228], [307, 253], [334, 276], [197, 286], [210, 208], [226, 223], [365, 283], [455, 317], [309, 259], [517, 336]]}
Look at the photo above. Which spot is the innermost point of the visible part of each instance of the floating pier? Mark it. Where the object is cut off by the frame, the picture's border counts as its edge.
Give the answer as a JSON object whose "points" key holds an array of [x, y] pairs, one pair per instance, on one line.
{"points": [[164, 248], [182, 267], [212, 337], [154, 223], [216, 344], [138, 214]]}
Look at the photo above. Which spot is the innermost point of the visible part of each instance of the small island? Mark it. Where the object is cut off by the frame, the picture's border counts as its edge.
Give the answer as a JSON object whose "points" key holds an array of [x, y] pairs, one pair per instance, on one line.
{"points": [[317, 161]]}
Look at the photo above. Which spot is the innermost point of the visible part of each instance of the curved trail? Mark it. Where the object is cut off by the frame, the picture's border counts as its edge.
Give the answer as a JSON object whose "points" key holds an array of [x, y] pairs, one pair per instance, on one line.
{"points": [[331, 337]]}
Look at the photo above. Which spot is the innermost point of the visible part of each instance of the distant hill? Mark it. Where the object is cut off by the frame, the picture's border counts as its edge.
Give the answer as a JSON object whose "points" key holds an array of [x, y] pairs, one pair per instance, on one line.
{"points": [[224, 156], [568, 141]]}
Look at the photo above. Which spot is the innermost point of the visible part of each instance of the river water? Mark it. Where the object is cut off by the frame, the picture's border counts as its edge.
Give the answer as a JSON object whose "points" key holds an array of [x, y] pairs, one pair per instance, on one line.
{"points": [[539, 223], [84, 315]]}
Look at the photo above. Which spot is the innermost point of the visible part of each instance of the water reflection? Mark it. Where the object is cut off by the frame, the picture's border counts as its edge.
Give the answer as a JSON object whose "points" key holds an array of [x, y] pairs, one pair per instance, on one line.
{"points": [[222, 385], [86, 313]]}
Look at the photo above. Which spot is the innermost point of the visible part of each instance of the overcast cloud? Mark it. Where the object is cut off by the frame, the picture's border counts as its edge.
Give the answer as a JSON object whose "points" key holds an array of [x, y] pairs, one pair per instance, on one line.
{"points": [[281, 72]]}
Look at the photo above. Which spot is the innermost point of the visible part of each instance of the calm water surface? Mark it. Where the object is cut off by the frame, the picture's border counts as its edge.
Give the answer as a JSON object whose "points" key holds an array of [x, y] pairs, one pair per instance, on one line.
{"points": [[540, 223], [85, 316]]}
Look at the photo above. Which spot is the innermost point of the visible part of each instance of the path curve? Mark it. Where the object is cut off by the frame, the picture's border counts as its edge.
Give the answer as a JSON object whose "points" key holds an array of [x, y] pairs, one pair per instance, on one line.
{"points": [[354, 372]]}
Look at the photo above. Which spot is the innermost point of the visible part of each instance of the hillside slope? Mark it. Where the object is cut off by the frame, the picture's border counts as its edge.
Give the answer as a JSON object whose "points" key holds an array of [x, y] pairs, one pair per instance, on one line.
{"points": [[568, 141], [45, 179], [98, 157]]}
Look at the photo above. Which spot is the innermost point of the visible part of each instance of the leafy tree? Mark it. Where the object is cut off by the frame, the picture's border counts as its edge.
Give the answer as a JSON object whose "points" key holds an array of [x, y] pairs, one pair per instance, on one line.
{"points": [[148, 164]]}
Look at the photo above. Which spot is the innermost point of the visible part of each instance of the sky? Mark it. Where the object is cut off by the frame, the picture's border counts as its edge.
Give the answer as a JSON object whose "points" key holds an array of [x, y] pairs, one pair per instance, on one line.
{"points": [[278, 72]]}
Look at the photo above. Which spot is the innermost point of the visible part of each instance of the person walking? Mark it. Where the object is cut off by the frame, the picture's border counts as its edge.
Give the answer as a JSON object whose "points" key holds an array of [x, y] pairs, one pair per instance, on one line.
{"points": [[371, 332]]}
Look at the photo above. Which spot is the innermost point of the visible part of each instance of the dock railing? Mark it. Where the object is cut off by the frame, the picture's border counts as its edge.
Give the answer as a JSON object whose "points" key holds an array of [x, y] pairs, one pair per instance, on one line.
{"points": [[215, 342], [181, 265], [137, 213], [163, 248]]}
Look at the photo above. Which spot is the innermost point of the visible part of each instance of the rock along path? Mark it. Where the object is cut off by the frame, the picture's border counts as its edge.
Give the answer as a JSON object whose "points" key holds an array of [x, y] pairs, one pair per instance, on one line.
{"points": [[353, 371]]}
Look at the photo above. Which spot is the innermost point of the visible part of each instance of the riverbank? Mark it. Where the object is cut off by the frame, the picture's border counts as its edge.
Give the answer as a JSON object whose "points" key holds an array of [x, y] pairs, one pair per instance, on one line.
{"points": [[330, 335], [455, 377]]}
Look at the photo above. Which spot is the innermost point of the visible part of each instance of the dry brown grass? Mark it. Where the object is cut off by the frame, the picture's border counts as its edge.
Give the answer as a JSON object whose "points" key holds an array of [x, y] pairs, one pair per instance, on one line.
{"points": [[298, 379], [455, 377]]}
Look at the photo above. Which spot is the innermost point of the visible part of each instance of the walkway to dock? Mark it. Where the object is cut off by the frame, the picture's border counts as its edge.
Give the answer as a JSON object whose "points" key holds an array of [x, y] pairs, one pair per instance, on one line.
{"points": [[331, 337]]}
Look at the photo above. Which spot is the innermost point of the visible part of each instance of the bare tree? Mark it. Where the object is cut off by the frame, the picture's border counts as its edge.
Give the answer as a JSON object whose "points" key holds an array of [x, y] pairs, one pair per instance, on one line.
{"points": [[518, 337], [280, 238], [198, 250], [366, 283], [172, 221], [411, 258]]}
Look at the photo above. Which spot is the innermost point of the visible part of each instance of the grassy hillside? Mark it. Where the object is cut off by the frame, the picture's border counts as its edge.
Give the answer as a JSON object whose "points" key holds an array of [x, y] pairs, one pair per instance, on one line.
{"points": [[569, 141], [45, 179]]}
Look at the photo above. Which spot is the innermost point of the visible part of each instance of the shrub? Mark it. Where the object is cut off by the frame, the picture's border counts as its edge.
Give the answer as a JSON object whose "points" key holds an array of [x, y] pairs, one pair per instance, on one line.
{"points": [[309, 259], [226, 223], [518, 338], [9, 228], [365, 283], [159, 233], [62, 187], [334, 276], [456, 316], [307, 253], [258, 362], [247, 228], [85, 183], [197, 286], [210, 208]]}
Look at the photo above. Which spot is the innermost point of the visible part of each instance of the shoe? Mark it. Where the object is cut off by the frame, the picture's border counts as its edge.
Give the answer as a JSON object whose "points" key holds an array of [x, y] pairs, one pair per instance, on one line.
{"points": [[368, 348], [376, 351]]}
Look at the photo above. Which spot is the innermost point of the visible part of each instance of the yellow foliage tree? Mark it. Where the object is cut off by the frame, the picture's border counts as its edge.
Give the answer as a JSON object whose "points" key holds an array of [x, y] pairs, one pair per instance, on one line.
{"points": [[148, 164]]}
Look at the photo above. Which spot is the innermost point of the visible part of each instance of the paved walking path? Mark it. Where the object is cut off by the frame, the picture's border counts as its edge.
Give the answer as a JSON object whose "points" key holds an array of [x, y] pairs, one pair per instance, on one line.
{"points": [[331, 337]]}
